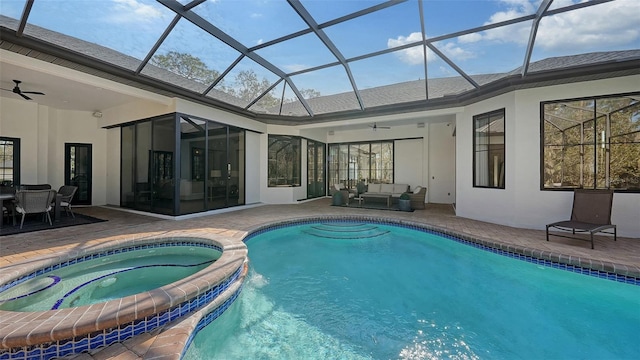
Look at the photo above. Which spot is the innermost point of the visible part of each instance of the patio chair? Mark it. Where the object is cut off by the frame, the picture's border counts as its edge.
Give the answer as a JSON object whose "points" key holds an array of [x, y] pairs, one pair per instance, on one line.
{"points": [[346, 194], [34, 202], [418, 197], [591, 213], [67, 192]]}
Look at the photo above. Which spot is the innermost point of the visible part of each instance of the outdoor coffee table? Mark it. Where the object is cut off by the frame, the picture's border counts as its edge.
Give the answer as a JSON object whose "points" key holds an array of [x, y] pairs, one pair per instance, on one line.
{"points": [[378, 196]]}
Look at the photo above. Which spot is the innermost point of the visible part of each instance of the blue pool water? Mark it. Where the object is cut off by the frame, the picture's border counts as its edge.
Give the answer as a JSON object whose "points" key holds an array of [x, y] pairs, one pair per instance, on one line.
{"points": [[107, 278], [371, 291]]}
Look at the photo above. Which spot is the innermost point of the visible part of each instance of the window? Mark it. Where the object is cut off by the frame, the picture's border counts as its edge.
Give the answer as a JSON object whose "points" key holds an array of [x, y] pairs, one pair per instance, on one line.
{"points": [[284, 160], [9, 161], [368, 162], [591, 143], [489, 150]]}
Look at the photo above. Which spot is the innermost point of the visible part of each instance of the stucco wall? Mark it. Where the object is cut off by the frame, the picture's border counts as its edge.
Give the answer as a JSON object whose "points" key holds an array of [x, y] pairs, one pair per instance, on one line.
{"points": [[522, 203], [43, 132]]}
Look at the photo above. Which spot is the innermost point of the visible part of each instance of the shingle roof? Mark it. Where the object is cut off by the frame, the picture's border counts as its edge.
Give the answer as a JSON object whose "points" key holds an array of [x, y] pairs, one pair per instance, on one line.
{"points": [[440, 87]]}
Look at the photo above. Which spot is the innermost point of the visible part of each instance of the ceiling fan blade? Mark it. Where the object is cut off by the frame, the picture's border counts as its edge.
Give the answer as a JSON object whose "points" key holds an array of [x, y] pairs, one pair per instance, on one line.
{"points": [[25, 96], [33, 92]]}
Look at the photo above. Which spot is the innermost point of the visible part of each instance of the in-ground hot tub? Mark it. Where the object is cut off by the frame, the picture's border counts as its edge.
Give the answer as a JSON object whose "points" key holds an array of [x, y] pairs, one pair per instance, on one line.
{"points": [[63, 305]]}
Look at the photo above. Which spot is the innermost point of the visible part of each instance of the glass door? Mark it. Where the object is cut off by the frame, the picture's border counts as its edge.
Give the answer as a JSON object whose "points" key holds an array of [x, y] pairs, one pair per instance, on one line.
{"points": [[235, 167], [217, 172], [315, 169], [77, 171]]}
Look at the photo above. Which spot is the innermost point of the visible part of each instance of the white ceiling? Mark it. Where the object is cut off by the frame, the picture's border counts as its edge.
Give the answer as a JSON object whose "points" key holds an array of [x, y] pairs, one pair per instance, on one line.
{"points": [[60, 92]]}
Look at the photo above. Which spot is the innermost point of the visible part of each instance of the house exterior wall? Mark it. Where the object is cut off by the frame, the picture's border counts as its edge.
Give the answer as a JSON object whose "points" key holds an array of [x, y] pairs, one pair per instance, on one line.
{"points": [[43, 132], [522, 203], [446, 168]]}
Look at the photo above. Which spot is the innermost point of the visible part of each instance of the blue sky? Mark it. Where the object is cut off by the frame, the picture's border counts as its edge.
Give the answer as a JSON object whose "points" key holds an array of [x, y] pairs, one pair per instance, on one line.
{"points": [[133, 26]]}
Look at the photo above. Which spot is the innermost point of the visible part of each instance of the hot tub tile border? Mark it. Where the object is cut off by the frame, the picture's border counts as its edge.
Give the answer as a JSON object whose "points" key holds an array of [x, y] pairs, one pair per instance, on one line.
{"points": [[124, 331], [102, 254]]}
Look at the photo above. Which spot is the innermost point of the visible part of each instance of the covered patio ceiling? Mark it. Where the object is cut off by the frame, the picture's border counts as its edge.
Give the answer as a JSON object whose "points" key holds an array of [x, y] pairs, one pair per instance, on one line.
{"points": [[307, 61]]}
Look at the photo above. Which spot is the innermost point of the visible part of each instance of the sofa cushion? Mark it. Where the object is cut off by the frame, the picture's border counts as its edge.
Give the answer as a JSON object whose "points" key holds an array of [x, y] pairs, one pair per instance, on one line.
{"points": [[399, 188], [417, 189], [374, 188], [386, 188]]}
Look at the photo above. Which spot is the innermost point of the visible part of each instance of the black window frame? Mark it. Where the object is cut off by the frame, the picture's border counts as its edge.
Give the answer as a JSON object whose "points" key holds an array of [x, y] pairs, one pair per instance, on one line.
{"points": [[337, 172], [290, 180], [501, 182], [16, 161], [594, 144]]}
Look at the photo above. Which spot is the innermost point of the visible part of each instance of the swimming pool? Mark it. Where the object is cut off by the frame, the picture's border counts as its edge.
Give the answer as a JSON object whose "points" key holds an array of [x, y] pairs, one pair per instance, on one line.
{"points": [[355, 290]]}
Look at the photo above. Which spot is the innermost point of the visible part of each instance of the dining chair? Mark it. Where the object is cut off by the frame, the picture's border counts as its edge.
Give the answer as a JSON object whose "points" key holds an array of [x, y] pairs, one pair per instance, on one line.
{"points": [[67, 192], [34, 202]]}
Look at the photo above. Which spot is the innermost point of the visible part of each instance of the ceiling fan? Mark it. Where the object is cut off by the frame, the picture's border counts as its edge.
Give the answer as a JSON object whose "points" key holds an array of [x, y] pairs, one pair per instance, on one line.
{"points": [[376, 127], [16, 90]]}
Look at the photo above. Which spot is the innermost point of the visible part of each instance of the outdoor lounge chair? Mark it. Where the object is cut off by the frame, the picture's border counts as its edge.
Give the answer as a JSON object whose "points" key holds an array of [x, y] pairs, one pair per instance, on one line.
{"points": [[591, 213]]}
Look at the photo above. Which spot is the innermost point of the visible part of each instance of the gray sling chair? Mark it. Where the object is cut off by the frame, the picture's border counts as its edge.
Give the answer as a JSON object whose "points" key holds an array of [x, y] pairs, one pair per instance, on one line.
{"points": [[66, 192], [34, 202], [591, 213]]}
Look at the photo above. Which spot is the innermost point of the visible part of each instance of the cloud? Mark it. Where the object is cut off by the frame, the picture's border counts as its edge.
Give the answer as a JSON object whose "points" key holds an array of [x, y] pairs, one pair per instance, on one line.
{"points": [[415, 55], [295, 67], [616, 24], [455, 52], [134, 11], [576, 30]]}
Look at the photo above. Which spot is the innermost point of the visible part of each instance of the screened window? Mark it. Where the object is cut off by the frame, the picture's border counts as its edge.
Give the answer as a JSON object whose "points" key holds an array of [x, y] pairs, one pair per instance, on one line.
{"points": [[367, 162], [284, 160], [591, 143], [9, 161], [489, 150]]}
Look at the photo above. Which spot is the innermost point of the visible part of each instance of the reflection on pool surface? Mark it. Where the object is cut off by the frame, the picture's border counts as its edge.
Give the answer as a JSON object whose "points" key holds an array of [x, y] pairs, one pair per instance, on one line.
{"points": [[107, 278], [329, 290]]}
